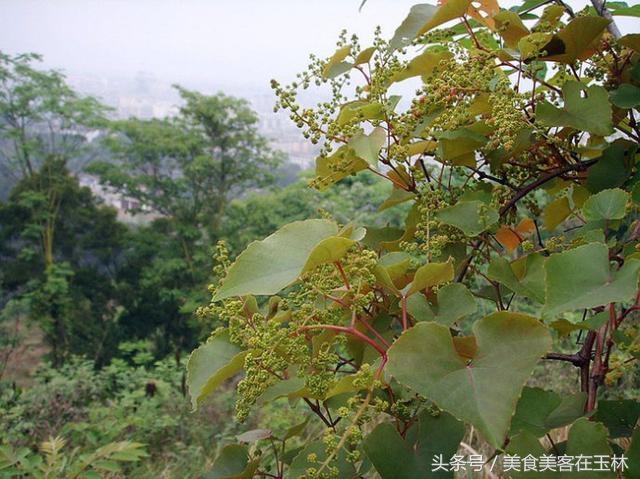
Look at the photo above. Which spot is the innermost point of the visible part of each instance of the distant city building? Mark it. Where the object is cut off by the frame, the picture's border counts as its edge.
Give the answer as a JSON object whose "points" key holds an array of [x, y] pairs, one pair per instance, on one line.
{"points": [[129, 209]]}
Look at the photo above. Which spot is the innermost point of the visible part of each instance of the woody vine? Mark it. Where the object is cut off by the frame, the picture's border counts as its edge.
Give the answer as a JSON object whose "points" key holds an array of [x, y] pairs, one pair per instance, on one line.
{"points": [[516, 159]]}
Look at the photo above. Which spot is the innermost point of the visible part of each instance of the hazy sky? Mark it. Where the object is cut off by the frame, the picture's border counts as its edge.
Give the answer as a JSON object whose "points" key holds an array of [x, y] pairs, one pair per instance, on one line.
{"points": [[223, 42], [226, 41]]}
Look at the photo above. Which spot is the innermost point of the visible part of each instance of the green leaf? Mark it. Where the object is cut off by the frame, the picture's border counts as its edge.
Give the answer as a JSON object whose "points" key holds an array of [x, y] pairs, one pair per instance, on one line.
{"points": [[396, 197], [429, 275], [472, 217], [331, 169], [395, 457], [577, 39], [530, 45], [111, 466], [510, 27], [422, 65], [360, 110], [375, 237], [418, 16], [523, 445], [586, 438], [329, 250], [589, 439], [232, 463], [633, 453], [524, 276], [620, 417], [459, 146], [581, 278], [281, 389], [540, 411], [301, 463], [296, 430], [335, 66], [455, 302], [254, 435], [484, 390], [593, 323], [626, 96], [396, 263], [365, 56], [368, 147], [210, 365], [591, 113], [606, 205], [556, 212], [631, 41], [390, 454], [447, 11], [611, 169], [270, 265]]}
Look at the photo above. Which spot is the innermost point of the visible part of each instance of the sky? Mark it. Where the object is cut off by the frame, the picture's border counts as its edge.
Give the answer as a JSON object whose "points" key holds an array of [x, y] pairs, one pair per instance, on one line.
{"points": [[224, 42], [227, 41]]}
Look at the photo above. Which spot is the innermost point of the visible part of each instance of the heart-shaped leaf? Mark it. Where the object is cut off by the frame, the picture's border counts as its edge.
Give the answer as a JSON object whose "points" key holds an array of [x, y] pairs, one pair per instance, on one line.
{"points": [[586, 440], [268, 266], [483, 390], [539, 411], [472, 217], [429, 275], [232, 463], [582, 278], [585, 108], [524, 276], [418, 16], [455, 301], [395, 457], [368, 147], [210, 365], [606, 205]]}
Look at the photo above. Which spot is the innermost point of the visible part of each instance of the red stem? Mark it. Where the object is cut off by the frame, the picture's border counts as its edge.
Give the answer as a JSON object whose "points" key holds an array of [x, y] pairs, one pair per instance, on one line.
{"points": [[352, 332], [342, 273], [405, 321], [375, 333]]}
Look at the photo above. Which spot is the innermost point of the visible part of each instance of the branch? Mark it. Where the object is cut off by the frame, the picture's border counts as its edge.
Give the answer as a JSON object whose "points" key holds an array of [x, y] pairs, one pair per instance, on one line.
{"points": [[544, 179], [574, 359], [602, 10]]}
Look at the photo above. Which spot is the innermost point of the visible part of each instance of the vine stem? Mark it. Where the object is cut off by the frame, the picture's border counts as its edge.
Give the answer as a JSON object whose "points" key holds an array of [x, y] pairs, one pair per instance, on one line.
{"points": [[343, 274], [374, 332], [405, 321], [352, 332], [599, 367], [601, 8], [544, 179]]}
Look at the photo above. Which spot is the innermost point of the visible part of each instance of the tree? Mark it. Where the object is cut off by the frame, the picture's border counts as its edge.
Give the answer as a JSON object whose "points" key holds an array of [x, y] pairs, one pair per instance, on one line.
{"points": [[60, 250], [188, 168], [40, 116], [185, 170], [236, 157], [518, 156]]}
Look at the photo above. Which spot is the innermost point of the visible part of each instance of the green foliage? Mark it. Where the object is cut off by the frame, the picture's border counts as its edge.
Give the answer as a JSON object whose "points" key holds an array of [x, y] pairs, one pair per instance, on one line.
{"points": [[394, 456], [41, 117], [189, 167], [132, 400], [400, 340], [49, 228], [476, 385], [268, 266], [55, 462]]}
